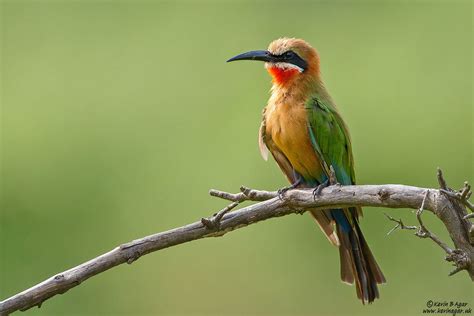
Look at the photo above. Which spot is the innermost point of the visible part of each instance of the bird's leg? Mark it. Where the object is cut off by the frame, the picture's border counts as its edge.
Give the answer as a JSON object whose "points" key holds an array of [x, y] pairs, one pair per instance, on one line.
{"points": [[298, 181], [317, 190], [332, 176], [331, 180]]}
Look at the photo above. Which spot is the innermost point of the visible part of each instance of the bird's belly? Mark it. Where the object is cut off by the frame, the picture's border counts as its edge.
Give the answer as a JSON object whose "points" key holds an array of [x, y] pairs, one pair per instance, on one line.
{"points": [[287, 126]]}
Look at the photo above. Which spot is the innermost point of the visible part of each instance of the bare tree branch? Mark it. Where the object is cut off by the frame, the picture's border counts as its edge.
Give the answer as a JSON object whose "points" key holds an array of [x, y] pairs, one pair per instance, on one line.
{"points": [[449, 208], [422, 231]]}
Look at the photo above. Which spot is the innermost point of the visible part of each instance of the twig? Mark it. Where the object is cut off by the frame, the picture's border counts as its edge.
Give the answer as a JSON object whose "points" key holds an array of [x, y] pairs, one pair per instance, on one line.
{"points": [[470, 215], [465, 191], [457, 256], [214, 221], [245, 194], [457, 196], [423, 232], [462, 196], [391, 196], [441, 181], [399, 224]]}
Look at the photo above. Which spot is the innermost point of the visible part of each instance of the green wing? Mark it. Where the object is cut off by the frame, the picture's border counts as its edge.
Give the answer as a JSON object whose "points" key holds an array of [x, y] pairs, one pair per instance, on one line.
{"points": [[330, 139]]}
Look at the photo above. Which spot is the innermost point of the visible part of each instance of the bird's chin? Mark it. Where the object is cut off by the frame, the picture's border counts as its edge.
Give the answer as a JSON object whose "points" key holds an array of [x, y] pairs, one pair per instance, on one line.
{"points": [[283, 66], [283, 76]]}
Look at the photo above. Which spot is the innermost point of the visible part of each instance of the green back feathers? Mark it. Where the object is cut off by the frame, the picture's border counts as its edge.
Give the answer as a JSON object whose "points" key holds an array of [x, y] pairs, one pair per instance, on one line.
{"points": [[330, 138]]}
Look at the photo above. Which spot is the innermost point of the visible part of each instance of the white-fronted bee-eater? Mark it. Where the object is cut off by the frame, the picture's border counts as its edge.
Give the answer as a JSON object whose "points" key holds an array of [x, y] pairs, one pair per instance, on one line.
{"points": [[307, 137]]}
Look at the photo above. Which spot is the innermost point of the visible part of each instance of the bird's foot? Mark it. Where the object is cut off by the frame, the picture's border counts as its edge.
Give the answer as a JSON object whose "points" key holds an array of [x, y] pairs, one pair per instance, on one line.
{"points": [[214, 222], [317, 190], [282, 191]]}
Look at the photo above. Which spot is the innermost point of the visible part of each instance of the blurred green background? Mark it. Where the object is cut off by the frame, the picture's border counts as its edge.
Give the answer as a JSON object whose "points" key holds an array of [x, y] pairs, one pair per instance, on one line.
{"points": [[117, 117]]}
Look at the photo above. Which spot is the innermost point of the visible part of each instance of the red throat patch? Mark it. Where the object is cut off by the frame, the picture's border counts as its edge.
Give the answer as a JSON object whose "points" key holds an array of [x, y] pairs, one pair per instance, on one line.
{"points": [[282, 76]]}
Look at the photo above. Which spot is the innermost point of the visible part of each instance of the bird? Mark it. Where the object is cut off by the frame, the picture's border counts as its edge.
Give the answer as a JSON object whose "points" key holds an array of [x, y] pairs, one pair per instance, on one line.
{"points": [[304, 132]]}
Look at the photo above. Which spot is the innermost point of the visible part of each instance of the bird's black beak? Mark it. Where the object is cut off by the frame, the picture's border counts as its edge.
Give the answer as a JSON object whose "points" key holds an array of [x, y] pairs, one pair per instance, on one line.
{"points": [[261, 55]]}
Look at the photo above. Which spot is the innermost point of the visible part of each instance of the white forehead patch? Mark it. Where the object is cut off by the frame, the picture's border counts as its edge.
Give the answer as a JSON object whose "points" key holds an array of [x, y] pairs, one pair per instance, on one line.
{"points": [[285, 66], [281, 45]]}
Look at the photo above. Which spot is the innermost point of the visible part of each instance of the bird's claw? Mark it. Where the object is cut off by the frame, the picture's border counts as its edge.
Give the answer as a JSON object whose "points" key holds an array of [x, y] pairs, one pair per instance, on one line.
{"points": [[282, 191], [317, 190]]}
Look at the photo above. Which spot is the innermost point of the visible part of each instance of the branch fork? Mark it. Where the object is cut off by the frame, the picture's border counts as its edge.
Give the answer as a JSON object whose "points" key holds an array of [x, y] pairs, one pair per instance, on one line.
{"points": [[458, 257]]}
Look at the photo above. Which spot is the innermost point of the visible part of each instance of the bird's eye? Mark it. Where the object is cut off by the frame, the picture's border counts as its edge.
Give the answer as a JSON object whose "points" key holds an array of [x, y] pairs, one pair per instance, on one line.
{"points": [[289, 54]]}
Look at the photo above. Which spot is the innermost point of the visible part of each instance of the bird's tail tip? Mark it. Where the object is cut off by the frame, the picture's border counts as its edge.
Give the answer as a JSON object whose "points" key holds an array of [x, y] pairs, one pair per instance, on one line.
{"points": [[359, 265]]}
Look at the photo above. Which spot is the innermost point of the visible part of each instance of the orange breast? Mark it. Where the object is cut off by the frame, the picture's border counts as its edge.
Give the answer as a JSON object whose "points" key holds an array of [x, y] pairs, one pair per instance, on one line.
{"points": [[287, 126]]}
